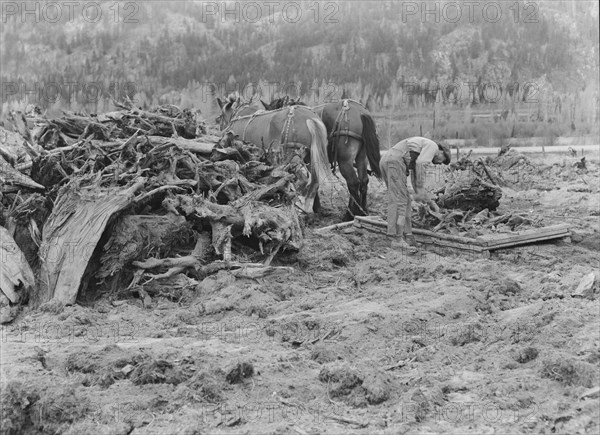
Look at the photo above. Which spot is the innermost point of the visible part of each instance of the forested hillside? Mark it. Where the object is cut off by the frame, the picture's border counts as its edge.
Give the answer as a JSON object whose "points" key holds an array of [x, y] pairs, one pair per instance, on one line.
{"points": [[366, 48]]}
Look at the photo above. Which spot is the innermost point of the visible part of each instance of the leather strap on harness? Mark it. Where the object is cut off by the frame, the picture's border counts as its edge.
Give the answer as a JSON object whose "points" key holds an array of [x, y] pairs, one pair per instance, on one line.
{"points": [[285, 132], [249, 121], [338, 131]]}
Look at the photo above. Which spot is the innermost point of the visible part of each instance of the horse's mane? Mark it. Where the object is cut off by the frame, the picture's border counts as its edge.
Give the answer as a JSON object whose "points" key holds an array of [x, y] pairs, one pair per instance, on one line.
{"points": [[284, 101]]}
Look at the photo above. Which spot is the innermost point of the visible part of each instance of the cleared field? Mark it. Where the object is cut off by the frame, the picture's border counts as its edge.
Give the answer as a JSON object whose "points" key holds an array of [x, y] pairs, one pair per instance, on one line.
{"points": [[358, 339]]}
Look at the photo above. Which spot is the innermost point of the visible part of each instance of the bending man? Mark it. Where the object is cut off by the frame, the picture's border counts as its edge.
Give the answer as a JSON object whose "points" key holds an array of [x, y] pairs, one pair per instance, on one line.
{"points": [[413, 153]]}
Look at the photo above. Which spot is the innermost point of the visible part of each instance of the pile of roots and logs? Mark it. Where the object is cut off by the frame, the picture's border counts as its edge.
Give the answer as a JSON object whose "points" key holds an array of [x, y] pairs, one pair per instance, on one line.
{"points": [[133, 201], [467, 201]]}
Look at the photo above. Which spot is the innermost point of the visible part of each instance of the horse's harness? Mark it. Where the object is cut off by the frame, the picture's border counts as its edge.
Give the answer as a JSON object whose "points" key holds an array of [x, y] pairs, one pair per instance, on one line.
{"points": [[288, 125], [337, 128], [337, 131]]}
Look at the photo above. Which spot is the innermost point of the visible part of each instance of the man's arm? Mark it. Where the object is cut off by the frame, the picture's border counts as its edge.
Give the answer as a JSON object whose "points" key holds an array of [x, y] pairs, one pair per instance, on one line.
{"points": [[425, 158]]}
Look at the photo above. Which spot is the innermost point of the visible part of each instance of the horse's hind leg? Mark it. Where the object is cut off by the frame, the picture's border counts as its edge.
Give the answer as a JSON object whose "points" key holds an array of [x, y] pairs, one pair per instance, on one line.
{"points": [[345, 162], [316, 207], [363, 178], [317, 203]]}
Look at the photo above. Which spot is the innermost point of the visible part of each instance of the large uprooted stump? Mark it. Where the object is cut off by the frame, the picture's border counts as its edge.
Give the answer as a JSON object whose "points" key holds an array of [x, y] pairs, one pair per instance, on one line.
{"points": [[469, 186], [272, 228], [16, 277], [137, 237], [71, 234], [469, 191], [466, 192]]}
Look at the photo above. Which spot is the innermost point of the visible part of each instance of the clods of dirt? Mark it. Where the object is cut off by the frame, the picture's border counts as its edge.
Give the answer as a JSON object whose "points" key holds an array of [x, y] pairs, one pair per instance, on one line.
{"points": [[356, 388], [326, 253], [28, 409], [157, 371], [526, 354], [240, 372], [214, 283], [113, 363], [17, 403], [58, 410], [569, 371], [201, 387], [103, 367], [323, 354]]}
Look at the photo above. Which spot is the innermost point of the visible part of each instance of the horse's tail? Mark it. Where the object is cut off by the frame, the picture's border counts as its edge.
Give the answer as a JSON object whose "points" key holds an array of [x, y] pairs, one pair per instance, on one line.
{"points": [[319, 168], [371, 141]]}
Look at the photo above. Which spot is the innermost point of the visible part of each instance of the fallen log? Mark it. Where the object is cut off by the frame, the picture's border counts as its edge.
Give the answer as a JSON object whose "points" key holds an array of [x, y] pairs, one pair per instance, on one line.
{"points": [[16, 277], [334, 227], [13, 148], [15, 273], [273, 227], [9, 176], [185, 144], [20, 123], [259, 272]]}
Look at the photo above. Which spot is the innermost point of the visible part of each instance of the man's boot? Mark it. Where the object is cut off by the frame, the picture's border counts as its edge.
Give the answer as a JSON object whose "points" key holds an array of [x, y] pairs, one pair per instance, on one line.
{"points": [[410, 239], [398, 244]]}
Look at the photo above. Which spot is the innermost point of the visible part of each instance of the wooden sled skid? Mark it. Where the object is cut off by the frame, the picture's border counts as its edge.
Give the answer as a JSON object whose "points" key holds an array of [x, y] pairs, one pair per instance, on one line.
{"points": [[480, 246]]}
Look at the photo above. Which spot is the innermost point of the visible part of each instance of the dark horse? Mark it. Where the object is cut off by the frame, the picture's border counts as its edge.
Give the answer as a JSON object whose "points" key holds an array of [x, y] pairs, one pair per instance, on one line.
{"points": [[352, 141], [294, 129]]}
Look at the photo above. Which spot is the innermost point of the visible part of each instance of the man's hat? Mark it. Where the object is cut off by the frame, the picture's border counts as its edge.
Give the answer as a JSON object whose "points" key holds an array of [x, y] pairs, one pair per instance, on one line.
{"points": [[447, 153]]}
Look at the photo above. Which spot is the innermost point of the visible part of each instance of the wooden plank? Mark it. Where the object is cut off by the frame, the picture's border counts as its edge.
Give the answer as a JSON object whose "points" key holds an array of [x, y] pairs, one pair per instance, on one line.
{"points": [[427, 239], [438, 246], [489, 242], [334, 227], [543, 230], [464, 246], [367, 226], [451, 237], [480, 244], [556, 230], [378, 222], [528, 237], [525, 242]]}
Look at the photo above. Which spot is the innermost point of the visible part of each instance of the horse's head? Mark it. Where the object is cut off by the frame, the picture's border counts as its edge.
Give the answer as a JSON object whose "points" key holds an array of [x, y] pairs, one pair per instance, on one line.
{"points": [[234, 106], [228, 108]]}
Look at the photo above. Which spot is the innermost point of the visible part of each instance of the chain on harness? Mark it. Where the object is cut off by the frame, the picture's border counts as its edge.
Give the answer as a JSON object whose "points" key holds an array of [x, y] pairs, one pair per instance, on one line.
{"points": [[285, 135]]}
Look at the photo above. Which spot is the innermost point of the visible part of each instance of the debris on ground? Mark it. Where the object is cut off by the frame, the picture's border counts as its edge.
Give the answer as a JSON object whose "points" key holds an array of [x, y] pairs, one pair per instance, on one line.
{"points": [[240, 372], [354, 387], [587, 286], [75, 189]]}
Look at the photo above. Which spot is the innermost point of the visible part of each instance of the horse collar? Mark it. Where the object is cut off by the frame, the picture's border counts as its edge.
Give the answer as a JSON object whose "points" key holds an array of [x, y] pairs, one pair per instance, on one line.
{"points": [[285, 133]]}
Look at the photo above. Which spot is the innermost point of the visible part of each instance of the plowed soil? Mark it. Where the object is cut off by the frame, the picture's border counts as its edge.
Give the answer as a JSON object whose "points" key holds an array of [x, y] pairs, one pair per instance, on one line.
{"points": [[361, 338]]}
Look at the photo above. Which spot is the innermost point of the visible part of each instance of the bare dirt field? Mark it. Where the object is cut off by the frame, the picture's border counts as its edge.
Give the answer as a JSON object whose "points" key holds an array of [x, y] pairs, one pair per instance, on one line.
{"points": [[358, 339]]}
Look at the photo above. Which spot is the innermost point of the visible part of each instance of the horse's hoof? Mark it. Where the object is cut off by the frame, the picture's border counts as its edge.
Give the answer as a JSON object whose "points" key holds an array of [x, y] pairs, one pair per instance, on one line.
{"points": [[310, 218], [348, 217]]}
